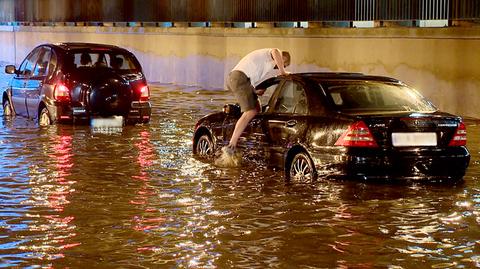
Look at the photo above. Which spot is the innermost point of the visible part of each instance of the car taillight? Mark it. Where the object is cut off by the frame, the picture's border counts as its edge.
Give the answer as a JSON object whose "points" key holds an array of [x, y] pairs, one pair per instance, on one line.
{"points": [[357, 135], [61, 93], [144, 93], [460, 137]]}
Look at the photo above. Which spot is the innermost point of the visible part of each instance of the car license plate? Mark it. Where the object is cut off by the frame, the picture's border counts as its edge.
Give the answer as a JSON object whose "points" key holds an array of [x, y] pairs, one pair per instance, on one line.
{"points": [[107, 124], [414, 139], [79, 110]]}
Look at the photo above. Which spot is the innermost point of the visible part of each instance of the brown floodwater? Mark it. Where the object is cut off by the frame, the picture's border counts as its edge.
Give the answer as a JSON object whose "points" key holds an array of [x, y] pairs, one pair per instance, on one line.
{"points": [[137, 198]]}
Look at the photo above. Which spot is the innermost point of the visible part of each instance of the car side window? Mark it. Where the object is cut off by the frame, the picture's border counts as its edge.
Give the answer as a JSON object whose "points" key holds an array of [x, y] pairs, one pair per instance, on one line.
{"points": [[267, 95], [52, 65], [41, 66], [292, 99], [26, 68]]}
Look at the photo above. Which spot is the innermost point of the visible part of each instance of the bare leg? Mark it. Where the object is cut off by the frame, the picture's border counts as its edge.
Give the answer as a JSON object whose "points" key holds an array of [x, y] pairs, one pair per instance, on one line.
{"points": [[242, 123]]}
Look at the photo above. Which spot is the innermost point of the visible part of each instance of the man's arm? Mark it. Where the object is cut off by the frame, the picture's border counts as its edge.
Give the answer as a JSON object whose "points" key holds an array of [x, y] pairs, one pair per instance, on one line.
{"points": [[278, 59]]}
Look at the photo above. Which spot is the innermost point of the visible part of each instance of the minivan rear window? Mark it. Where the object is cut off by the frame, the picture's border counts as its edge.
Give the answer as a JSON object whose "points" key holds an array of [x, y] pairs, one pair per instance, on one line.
{"points": [[375, 96], [104, 59]]}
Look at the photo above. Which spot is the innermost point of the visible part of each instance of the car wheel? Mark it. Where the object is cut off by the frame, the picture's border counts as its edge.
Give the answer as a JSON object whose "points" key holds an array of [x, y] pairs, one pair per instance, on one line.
{"points": [[7, 109], [301, 169], [44, 118], [204, 146]]}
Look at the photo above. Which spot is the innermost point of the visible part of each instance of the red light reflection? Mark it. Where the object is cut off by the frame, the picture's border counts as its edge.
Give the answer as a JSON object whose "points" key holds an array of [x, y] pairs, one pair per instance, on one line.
{"points": [[61, 154], [145, 158]]}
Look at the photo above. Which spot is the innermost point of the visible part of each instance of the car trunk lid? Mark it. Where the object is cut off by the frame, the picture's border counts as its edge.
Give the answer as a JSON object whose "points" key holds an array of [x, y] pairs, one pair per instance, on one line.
{"points": [[412, 129]]}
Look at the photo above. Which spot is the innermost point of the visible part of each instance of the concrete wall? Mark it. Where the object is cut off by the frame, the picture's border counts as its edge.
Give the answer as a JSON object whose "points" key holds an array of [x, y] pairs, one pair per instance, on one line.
{"points": [[442, 63], [7, 45]]}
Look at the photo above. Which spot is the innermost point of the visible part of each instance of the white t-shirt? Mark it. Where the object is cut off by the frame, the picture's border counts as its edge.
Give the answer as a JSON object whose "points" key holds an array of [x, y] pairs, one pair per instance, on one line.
{"points": [[257, 65]]}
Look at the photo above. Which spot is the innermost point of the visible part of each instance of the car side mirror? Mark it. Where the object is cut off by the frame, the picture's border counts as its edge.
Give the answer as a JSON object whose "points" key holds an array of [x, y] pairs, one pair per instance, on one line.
{"points": [[232, 110], [10, 69]]}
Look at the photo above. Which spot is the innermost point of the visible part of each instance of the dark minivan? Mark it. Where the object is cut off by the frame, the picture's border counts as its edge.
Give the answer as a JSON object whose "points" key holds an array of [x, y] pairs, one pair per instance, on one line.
{"points": [[78, 82]]}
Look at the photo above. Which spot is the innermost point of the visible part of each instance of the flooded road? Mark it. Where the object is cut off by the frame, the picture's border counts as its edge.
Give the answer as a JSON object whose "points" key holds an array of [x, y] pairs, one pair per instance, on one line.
{"points": [[138, 199]]}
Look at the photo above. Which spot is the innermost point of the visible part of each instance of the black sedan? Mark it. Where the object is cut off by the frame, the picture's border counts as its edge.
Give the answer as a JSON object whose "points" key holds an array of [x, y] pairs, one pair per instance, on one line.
{"points": [[78, 82], [344, 125]]}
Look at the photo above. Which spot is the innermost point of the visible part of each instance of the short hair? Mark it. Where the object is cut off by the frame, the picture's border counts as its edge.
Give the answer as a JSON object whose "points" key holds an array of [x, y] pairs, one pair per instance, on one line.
{"points": [[286, 56]]}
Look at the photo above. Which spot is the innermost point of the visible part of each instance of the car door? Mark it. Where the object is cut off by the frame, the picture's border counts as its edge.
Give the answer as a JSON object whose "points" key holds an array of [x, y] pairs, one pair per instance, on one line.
{"points": [[286, 120], [35, 83], [255, 137], [20, 81]]}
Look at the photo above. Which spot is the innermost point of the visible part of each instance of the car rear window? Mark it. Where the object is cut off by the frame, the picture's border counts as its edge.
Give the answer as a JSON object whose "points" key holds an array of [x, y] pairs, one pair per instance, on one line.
{"points": [[104, 59], [375, 96]]}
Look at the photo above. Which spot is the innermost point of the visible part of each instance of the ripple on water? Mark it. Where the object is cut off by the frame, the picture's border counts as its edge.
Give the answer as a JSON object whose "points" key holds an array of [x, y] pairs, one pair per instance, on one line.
{"points": [[71, 197]]}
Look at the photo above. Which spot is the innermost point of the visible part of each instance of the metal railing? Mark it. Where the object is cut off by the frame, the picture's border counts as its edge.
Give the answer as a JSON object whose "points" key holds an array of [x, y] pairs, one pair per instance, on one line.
{"points": [[236, 10]]}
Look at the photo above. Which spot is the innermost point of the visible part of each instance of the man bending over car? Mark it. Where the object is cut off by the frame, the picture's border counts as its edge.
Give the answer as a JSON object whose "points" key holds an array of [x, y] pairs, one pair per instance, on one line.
{"points": [[252, 69]]}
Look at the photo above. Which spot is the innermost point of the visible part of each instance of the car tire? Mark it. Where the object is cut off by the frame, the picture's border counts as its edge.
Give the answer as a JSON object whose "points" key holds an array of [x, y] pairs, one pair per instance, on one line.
{"points": [[7, 109], [301, 169], [204, 146], [44, 118]]}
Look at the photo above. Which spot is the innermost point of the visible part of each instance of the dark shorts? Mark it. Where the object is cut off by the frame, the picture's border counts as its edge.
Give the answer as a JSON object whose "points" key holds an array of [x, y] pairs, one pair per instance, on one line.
{"points": [[243, 90]]}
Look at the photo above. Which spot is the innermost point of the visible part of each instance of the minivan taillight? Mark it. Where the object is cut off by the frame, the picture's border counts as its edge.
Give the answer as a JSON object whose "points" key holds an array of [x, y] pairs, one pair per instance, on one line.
{"points": [[144, 93], [460, 137], [61, 93], [357, 135]]}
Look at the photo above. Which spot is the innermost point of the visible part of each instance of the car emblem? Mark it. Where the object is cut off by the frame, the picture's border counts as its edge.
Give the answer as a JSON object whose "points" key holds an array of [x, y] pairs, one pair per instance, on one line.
{"points": [[112, 98]]}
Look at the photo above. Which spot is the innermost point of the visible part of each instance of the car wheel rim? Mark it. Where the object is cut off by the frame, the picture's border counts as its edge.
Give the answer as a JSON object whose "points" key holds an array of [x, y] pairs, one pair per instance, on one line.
{"points": [[44, 119], [204, 147], [301, 170]]}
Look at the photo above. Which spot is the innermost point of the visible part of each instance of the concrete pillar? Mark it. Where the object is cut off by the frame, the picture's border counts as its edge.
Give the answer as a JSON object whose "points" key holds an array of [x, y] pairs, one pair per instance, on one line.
{"points": [[316, 24], [264, 25], [221, 24], [181, 24]]}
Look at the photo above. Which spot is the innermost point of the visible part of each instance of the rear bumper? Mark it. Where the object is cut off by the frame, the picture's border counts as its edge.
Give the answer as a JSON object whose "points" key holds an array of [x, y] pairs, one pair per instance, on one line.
{"points": [[449, 164], [139, 112]]}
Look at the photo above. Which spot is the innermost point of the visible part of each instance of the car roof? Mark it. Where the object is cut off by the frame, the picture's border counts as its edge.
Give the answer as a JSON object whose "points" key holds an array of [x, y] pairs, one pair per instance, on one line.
{"points": [[68, 46], [342, 76]]}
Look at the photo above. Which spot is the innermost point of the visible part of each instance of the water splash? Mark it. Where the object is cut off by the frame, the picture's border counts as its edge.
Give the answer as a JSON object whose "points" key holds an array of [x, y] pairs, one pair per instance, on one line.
{"points": [[229, 158]]}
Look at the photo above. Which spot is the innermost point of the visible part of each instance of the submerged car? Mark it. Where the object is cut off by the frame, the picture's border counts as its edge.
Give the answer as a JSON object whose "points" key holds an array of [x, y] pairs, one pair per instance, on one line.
{"points": [[344, 125], [77, 82]]}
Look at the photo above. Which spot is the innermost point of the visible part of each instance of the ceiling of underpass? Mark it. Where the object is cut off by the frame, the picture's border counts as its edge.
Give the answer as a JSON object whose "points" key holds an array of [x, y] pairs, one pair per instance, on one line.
{"points": [[235, 10]]}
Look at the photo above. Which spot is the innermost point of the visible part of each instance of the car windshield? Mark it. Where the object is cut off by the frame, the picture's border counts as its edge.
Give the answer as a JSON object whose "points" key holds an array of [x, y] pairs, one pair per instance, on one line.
{"points": [[104, 59], [358, 96]]}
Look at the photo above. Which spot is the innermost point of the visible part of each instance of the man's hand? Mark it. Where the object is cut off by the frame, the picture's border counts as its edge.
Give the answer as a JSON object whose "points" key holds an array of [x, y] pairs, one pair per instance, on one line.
{"points": [[260, 92], [285, 74]]}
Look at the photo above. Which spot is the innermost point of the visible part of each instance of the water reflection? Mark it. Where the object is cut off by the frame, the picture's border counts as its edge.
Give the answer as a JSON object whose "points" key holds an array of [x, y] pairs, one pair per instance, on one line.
{"points": [[44, 189], [70, 197]]}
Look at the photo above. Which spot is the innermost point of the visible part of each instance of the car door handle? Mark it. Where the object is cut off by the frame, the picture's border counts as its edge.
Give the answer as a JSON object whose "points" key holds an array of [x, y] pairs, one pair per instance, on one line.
{"points": [[291, 123]]}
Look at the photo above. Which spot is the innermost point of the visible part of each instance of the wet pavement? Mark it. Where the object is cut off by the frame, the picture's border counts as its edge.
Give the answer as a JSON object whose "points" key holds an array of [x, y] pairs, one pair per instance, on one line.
{"points": [[138, 199]]}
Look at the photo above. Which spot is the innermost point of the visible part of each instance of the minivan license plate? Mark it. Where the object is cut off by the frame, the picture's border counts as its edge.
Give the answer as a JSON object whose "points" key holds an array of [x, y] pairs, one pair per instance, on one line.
{"points": [[107, 124], [414, 139]]}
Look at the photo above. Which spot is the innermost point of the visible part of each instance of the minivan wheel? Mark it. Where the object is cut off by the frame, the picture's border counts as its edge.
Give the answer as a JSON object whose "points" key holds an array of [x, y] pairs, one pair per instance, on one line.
{"points": [[44, 118], [301, 169], [204, 146], [7, 109]]}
